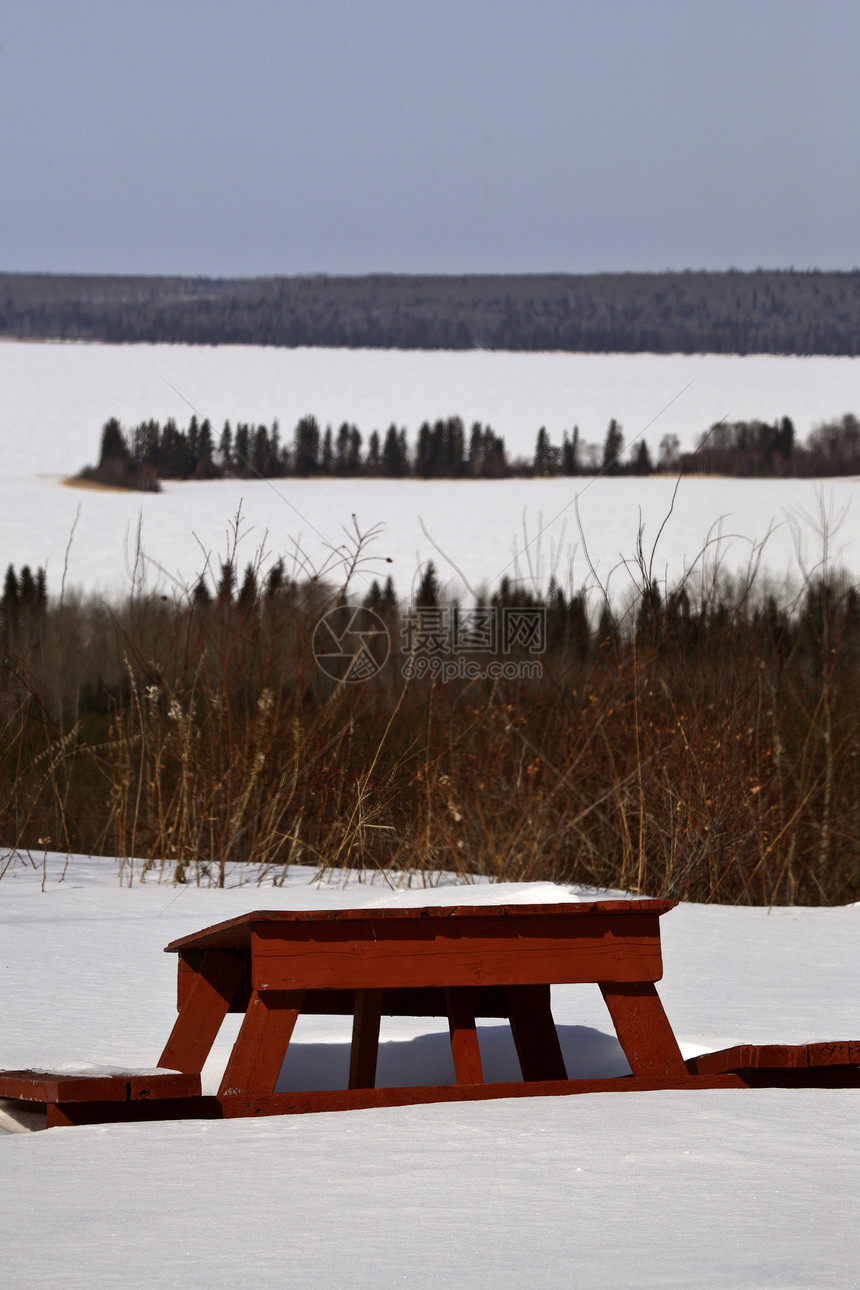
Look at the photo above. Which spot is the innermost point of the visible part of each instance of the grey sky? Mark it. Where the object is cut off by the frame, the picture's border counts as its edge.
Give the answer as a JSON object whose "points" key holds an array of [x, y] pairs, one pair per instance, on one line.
{"points": [[347, 136]]}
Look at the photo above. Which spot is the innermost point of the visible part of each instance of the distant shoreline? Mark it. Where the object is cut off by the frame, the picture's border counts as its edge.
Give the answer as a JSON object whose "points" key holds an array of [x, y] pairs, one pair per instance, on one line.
{"points": [[782, 312]]}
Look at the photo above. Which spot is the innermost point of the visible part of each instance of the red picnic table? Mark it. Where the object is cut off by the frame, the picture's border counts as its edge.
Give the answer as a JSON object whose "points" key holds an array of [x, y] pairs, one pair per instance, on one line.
{"points": [[463, 963]]}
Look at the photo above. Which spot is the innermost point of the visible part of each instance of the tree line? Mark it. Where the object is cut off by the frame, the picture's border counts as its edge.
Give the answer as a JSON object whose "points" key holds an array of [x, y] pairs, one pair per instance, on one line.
{"points": [[764, 312], [151, 452]]}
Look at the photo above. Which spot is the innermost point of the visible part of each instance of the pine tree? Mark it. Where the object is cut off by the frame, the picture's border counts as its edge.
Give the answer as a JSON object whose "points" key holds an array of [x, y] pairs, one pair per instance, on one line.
{"points": [[570, 452], [247, 599], [542, 457], [327, 458], [613, 446], [225, 448], [428, 594], [394, 461], [306, 446], [641, 463], [114, 448]]}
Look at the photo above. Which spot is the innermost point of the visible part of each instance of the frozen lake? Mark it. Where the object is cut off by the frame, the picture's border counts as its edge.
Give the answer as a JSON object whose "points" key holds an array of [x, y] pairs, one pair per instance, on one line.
{"points": [[54, 399]]}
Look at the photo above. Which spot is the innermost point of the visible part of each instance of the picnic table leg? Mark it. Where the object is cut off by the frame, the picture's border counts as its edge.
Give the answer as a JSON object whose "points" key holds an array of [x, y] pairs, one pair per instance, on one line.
{"points": [[216, 982], [643, 1030], [261, 1044], [464, 1036], [535, 1035], [364, 1049]]}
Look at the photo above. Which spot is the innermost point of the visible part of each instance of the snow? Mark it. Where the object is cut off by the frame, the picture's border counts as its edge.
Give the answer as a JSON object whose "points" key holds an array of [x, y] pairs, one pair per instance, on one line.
{"points": [[754, 1188], [54, 399]]}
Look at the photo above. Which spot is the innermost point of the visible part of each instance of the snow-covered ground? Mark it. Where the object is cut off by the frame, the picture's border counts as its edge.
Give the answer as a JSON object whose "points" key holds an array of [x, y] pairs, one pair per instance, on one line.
{"points": [[756, 1188], [55, 398]]}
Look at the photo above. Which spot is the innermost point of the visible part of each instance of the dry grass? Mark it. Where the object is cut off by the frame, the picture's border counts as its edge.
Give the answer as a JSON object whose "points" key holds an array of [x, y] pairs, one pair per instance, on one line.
{"points": [[702, 744]]}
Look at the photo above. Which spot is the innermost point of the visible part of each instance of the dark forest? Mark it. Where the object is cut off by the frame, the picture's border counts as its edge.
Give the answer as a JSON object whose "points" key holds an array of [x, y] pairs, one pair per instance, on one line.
{"points": [[765, 312]]}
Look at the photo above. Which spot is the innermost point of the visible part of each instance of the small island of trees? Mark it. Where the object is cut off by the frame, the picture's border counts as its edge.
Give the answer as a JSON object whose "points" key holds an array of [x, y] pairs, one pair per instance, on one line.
{"points": [[150, 452]]}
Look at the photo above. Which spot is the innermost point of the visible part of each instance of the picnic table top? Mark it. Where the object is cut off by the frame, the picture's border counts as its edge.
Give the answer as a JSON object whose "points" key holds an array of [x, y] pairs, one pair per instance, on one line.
{"points": [[236, 932]]}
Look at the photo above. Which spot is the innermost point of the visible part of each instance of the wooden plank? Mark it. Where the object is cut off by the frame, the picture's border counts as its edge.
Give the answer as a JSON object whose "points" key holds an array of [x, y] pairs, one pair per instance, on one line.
{"points": [[236, 932], [425, 1001], [535, 1035], [738, 1057], [775, 1057], [364, 1049], [465, 1050], [177, 1108], [205, 1006], [360, 1099], [801, 1077], [187, 970], [835, 1053], [420, 953], [56, 1086], [261, 1044], [643, 1030]]}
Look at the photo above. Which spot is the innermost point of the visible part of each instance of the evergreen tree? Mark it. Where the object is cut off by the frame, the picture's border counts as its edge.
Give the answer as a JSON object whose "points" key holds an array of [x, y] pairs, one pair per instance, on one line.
{"points": [[275, 579], [205, 468], [247, 599], [784, 440], [389, 596], [242, 451], [543, 458], [327, 458], [201, 597], [225, 448], [226, 582], [341, 452], [114, 449], [192, 450], [306, 446], [641, 463], [261, 457], [394, 460], [453, 446], [353, 461], [476, 450], [613, 446], [570, 452], [424, 451], [429, 593]]}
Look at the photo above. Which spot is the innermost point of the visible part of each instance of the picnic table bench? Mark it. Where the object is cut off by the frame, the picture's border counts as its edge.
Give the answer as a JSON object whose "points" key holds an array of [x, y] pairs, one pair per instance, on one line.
{"points": [[462, 963]]}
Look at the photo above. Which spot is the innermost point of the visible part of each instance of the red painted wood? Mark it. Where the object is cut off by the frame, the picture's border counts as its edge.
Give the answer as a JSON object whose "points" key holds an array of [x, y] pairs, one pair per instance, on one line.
{"points": [[261, 1044], [778, 1057], [236, 932], [535, 1035], [424, 1002], [836, 1053], [643, 1030], [188, 967], [177, 1108], [205, 1006], [55, 1086], [802, 1077], [358, 1099], [519, 950], [364, 1049], [465, 1050]]}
